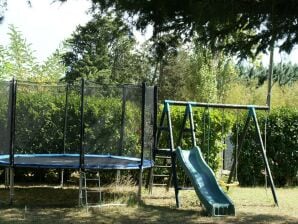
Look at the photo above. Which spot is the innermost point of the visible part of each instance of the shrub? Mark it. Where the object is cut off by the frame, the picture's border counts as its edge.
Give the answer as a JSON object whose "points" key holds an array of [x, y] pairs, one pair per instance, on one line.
{"points": [[282, 149], [212, 126]]}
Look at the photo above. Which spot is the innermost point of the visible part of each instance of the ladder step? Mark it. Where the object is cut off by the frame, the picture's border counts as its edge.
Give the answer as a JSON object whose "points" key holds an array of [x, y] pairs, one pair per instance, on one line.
{"points": [[162, 166], [188, 130], [159, 184], [92, 191], [92, 179], [162, 157], [164, 149], [164, 152], [161, 175]]}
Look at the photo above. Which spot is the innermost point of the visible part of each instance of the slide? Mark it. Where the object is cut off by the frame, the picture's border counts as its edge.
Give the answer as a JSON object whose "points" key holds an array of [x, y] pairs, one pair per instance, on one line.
{"points": [[215, 201]]}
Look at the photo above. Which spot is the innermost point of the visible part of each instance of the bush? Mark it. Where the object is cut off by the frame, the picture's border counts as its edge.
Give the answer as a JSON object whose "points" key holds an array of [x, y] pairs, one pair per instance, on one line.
{"points": [[282, 149], [212, 127], [40, 124]]}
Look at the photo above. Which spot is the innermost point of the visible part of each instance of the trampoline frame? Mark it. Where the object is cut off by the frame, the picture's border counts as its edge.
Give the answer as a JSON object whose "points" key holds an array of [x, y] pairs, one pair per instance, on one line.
{"points": [[139, 163]]}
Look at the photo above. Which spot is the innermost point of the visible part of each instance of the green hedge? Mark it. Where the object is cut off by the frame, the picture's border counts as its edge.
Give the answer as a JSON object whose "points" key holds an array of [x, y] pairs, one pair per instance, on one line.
{"points": [[40, 121], [282, 142], [40, 127], [40, 124], [282, 149]]}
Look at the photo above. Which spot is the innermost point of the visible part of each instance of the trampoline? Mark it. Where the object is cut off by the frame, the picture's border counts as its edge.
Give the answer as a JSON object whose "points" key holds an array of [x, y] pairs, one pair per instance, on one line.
{"points": [[72, 161], [81, 125]]}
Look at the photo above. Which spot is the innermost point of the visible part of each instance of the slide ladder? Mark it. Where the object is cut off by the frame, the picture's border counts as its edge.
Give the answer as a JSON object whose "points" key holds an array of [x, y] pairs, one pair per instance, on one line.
{"points": [[161, 173]]}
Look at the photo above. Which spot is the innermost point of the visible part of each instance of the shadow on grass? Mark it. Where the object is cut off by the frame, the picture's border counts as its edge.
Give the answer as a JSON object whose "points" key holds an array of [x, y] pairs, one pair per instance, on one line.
{"points": [[50, 206]]}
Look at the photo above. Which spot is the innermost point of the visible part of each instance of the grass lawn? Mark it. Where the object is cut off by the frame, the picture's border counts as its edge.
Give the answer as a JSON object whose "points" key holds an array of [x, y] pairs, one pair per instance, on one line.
{"points": [[49, 205]]}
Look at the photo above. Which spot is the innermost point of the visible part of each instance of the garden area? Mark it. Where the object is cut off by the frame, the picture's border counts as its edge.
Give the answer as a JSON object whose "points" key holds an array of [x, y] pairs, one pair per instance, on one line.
{"points": [[102, 93], [45, 204]]}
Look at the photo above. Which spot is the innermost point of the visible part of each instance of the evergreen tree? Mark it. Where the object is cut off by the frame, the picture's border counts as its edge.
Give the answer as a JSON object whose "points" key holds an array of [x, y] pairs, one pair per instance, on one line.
{"points": [[17, 60], [102, 51]]}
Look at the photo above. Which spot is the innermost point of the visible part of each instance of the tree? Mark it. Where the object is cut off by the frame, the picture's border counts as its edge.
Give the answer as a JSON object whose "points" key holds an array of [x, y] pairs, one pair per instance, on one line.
{"points": [[243, 27], [17, 60], [102, 51], [51, 70], [283, 73], [172, 82]]}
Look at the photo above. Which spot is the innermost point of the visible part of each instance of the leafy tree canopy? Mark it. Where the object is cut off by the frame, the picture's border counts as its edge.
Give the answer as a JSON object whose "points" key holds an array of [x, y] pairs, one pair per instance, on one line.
{"points": [[103, 51], [17, 60], [242, 27]]}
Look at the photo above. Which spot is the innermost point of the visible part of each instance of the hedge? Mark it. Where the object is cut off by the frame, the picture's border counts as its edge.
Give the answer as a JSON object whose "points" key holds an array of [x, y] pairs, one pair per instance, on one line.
{"points": [[281, 140], [281, 149], [40, 124]]}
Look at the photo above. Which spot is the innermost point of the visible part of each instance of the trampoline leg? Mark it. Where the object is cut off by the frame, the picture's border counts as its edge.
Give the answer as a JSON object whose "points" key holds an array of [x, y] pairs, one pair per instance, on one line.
{"points": [[150, 182], [6, 178], [118, 178], [140, 185], [62, 178], [81, 189], [11, 185]]}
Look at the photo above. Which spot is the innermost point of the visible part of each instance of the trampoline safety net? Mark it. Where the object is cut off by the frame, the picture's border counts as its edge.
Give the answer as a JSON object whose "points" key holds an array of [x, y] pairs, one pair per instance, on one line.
{"points": [[82, 120]]}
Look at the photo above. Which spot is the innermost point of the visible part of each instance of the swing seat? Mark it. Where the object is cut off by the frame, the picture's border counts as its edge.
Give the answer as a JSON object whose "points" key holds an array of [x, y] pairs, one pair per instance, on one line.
{"points": [[233, 184]]}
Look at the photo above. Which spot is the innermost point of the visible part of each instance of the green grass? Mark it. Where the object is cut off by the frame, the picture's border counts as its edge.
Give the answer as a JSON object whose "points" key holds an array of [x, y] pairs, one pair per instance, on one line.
{"points": [[48, 205]]}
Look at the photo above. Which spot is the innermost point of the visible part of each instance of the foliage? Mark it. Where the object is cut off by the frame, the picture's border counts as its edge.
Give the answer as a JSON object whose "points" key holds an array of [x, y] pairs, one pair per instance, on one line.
{"points": [[18, 60], [195, 73], [243, 27], [40, 123], [172, 76], [281, 141], [246, 92], [212, 126], [102, 51], [202, 81], [283, 73]]}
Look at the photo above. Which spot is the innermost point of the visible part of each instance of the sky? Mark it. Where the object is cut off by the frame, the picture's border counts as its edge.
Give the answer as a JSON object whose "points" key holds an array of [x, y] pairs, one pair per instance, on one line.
{"points": [[46, 24]]}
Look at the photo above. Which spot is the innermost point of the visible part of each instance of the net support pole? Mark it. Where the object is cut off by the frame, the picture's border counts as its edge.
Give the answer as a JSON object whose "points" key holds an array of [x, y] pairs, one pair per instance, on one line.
{"points": [[123, 121], [12, 121], [142, 141], [253, 114], [64, 130], [155, 120], [154, 137], [82, 125], [12, 140]]}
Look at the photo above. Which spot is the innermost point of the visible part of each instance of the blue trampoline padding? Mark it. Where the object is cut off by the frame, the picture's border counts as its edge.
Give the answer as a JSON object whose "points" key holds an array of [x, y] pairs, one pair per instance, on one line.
{"points": [[72, 161]]}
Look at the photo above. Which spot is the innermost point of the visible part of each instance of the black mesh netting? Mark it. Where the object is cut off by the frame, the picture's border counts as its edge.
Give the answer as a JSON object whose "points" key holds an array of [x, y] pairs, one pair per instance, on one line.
{"points": [[5, 115], [48, 119]]}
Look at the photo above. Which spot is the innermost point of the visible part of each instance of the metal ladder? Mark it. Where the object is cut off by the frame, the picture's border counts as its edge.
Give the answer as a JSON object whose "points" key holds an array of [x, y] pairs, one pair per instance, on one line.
{"points": [[161, 174], [86, 189], [168, 154]]}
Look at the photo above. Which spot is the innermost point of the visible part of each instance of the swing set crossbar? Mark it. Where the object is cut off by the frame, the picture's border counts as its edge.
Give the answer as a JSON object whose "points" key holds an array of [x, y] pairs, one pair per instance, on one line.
{"points": [[216, 105]]}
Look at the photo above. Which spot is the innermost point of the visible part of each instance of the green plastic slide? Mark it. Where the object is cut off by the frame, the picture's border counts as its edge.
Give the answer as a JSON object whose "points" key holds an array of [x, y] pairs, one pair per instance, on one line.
{"points": [[215, 201]]}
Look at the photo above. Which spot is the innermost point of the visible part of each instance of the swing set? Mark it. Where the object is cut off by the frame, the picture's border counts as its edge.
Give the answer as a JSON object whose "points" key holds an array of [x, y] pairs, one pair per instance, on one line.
{"points": [[212, 197]]}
